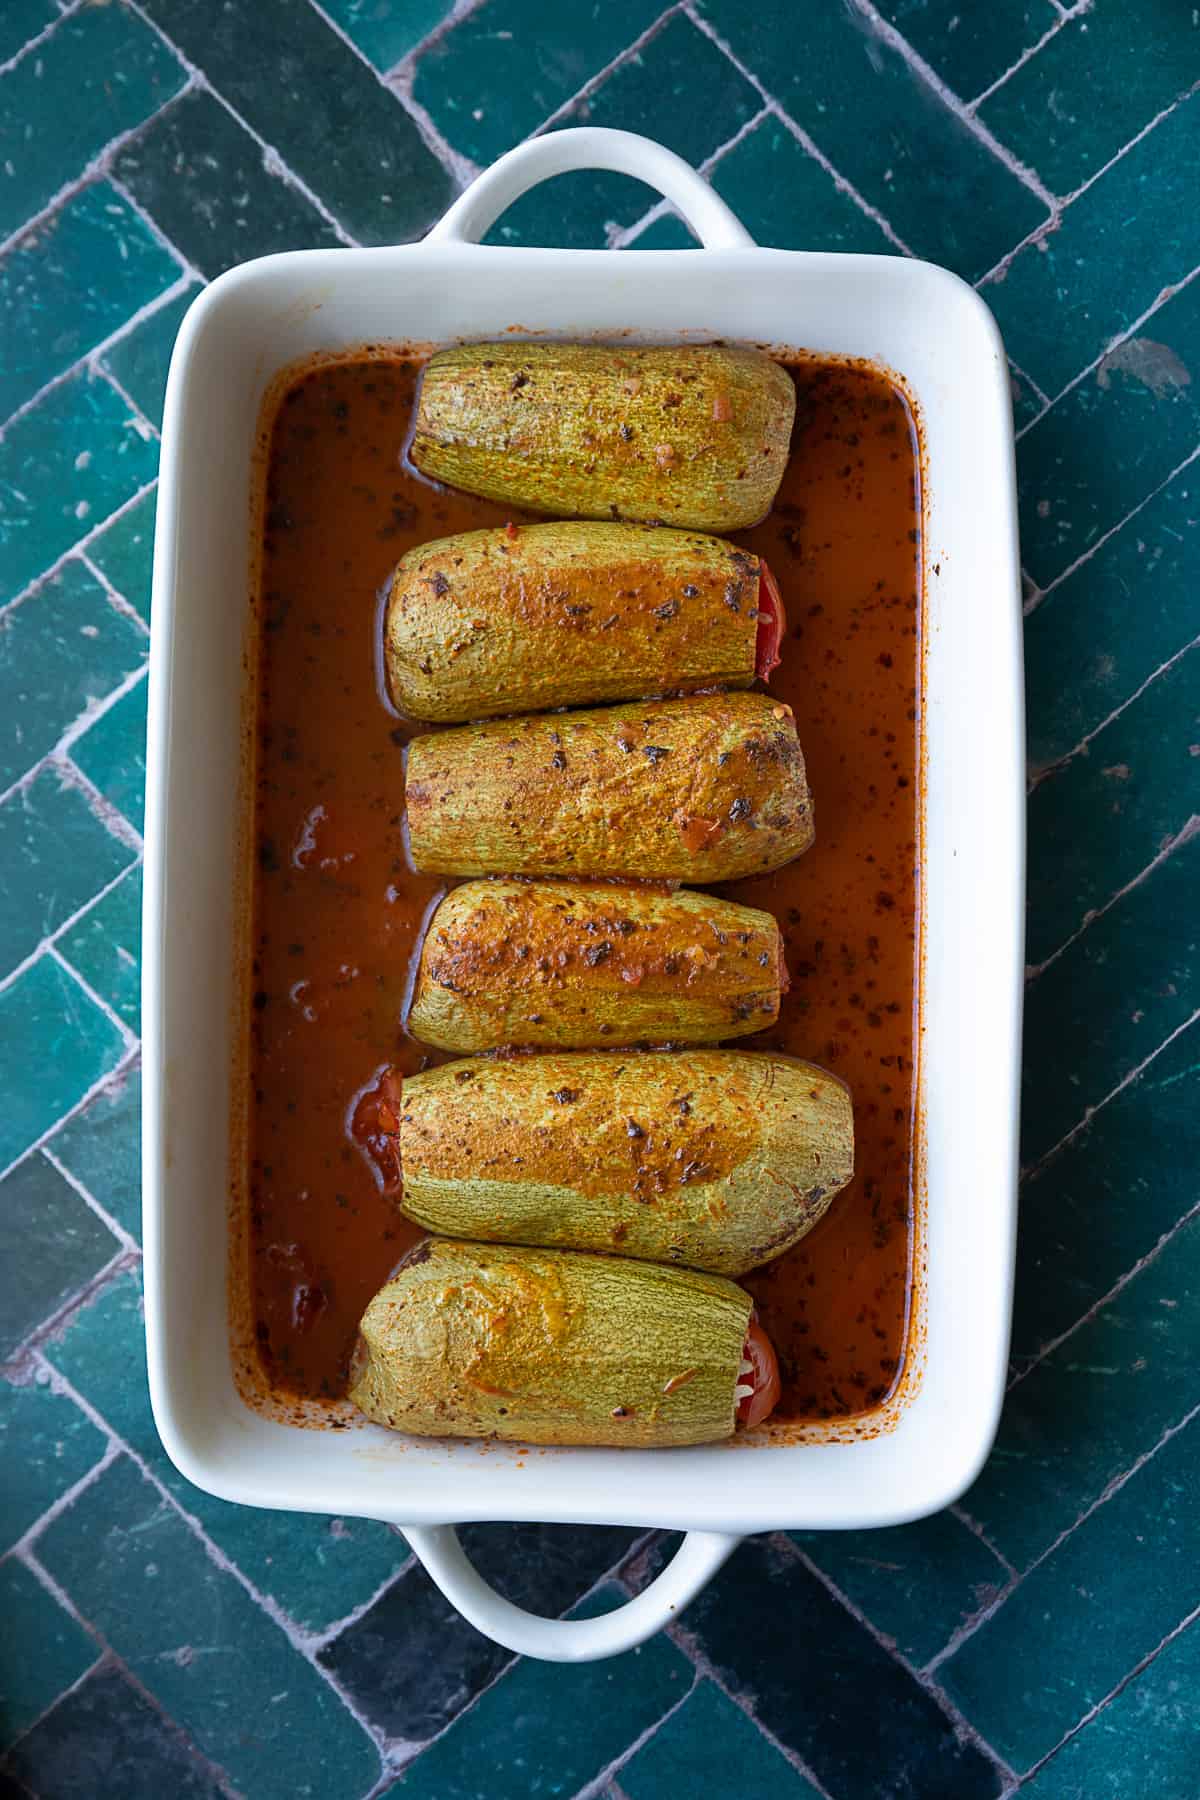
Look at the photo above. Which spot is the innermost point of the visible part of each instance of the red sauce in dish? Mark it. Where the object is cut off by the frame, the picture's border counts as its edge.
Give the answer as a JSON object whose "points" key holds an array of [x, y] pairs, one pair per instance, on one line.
{"points": [[338, 912]]}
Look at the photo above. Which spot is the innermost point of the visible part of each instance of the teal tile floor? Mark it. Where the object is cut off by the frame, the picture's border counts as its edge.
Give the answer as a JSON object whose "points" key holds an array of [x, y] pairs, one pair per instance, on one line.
{"points": [[1044, 1635]]}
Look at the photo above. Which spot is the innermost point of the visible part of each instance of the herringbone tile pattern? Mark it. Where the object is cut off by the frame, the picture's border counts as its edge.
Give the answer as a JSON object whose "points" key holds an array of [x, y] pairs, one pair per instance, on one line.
{"points": [[1043, 1635]]}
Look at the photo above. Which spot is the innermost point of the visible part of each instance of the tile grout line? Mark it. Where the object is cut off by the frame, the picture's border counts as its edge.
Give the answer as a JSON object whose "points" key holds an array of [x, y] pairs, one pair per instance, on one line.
{"points": [[458, 11], [1029, 383], [72, 1687], [1169, 292], [114, 1017], [888, 33], [625, 238], [131, 1041], [329, 1634], [997, 274], [1093, 1712], [113, 1077], [1086, 555], [684, 1642], [148, 220], [148, 432], [38, 1574], [1177, 841], [1085, 742], [1143, 131], [295, 1636], [962, 1726], [802, 137], [120, 605], [108, 814], [1048, 226], [840, 181], [718, 155], [78, 728], [1035, 1167], [217, 1774], [88, 366], [613, 1575], [1111, 1487], [629, 51], [621, 239], [62, 1503], [593, 1788], [976, 1530], [1145, 1261], [455, 166], [30, 1345], [130, 1244], [141, 424], [81, 543], [33, 1563], [461, 169], [273, 162], [94, 170], [47, 944], [1052, 31], [395, 1756], [39, 37]]}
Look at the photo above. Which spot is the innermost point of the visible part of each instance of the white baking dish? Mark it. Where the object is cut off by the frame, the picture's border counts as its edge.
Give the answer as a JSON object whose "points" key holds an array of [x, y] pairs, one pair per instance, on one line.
{"points": [[936, 334]]}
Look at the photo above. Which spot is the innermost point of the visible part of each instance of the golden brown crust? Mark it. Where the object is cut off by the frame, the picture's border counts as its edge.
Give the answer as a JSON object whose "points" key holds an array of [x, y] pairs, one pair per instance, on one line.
{"points": [[582, 965], [520, 619], [714, 1159], [693, 435], [707, 788], [545, 1347]]}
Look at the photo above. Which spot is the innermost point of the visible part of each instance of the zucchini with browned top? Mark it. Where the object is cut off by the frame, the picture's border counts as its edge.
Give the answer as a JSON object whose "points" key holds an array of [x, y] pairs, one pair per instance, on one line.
{"points": [[707, 788], [580, 965], [514, 620], [715, 1159], [693, 435], [474, 1340]]}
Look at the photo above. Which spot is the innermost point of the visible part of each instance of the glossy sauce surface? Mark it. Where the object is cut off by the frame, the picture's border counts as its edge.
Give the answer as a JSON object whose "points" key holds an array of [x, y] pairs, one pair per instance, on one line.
{"points": [[339, 913]]}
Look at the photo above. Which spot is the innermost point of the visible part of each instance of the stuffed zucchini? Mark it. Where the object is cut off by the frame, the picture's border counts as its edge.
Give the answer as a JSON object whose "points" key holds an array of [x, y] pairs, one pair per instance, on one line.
{"points": [[518, 619], [576, 965], [693, 435], [712, 1159], [707, 788], [544, 1347]]}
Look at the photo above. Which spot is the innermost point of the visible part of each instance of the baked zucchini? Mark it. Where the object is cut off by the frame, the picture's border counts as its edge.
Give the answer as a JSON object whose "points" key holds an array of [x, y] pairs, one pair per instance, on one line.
{"points": [[714, 1159], [580, 965], [520, 619], [693, 435], [707, 788], [544, 1347]]}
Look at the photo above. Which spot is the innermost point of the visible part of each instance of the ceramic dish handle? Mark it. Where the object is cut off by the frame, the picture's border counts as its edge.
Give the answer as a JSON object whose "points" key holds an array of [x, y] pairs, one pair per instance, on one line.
{"points": [[591, 147], [568, 1640]]}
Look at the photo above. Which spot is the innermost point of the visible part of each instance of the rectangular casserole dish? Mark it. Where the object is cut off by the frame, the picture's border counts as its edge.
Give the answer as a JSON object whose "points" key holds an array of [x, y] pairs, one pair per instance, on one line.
{"points": [[932, 331]]}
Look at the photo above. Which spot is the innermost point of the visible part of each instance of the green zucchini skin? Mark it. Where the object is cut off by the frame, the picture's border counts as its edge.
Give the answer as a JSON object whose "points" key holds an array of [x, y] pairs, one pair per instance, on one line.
{"points": [[574, 965], [692, 435], [521, 619], [544, 1347], [711, 1159], [707, 788]]}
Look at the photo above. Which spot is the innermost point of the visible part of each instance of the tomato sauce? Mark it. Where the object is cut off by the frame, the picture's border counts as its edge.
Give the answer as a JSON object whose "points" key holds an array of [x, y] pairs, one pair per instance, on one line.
{"points": [[339, 913]]}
